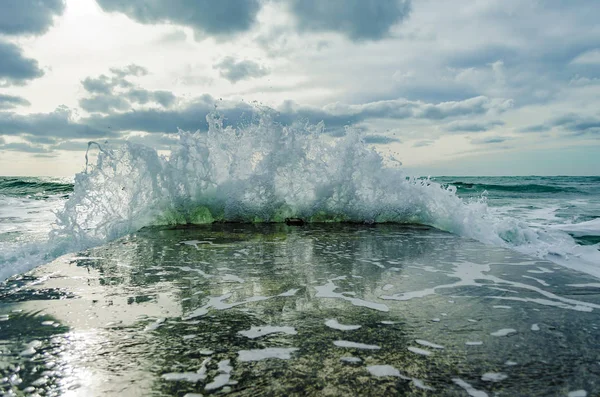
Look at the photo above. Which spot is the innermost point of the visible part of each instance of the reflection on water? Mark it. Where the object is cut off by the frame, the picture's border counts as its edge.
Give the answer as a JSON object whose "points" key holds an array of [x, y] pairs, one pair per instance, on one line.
{"points": [[319, 310]]}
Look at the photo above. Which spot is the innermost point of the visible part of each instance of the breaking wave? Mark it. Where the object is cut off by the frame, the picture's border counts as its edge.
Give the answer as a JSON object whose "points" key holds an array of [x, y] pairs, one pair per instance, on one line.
{"points": [[266, 172]]}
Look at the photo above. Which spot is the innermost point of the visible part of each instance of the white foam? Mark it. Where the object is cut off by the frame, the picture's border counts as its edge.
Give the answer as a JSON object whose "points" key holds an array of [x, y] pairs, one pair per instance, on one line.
{"points": [[257, 332], [290, 292], [504, 332], [191, 377], [474, 343], [383, 370], [333, 323], [587, 228], [420, 385], [328, 291], [493, 377], [232, 278], [577, 393], [586, 285], [282, 353], [222, 378], [428, 344], [352, 360], [542, 282], [471, 391], [417, 350], [355, 345]]}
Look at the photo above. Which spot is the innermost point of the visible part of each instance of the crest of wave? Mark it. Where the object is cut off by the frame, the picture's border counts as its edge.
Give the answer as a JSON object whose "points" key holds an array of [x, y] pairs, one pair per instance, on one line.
{"points": [[266, 172]]}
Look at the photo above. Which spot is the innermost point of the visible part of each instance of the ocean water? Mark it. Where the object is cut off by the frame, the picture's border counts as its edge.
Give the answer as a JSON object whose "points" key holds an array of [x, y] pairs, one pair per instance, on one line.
{"points": [[263, 172]]}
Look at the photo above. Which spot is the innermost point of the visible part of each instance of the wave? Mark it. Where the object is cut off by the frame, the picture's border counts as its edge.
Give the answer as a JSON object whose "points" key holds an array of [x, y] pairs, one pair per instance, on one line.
{"points": [[33, 187], [589, 228], [516, 188], [266, 172]]}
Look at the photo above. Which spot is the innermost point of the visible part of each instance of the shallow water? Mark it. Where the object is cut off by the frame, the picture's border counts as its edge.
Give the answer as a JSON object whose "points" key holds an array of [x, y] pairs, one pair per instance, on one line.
{"points": [[313, 310]]}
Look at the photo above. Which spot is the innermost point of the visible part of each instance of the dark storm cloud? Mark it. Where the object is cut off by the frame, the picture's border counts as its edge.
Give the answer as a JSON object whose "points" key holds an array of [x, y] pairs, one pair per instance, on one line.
{"points": [[16, 69], [59, 123], [356, 19], [10, 101], [28, 16], [379, 139], [235, 71], [473, 126], [216, 18]]}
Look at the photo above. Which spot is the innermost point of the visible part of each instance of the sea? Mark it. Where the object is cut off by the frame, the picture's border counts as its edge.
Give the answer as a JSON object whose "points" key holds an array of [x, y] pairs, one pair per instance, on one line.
{"points": [[264, 173], [171, 274]]}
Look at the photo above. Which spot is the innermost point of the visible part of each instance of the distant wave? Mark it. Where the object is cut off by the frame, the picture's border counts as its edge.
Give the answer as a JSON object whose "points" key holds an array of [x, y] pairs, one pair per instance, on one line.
{"points": [[521, 188], [33, 187]]}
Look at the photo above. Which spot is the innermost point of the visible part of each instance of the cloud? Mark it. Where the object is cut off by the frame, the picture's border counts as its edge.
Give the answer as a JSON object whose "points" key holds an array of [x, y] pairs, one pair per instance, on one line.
{"points": [[116, 93], [235, 71], [206, 17], [59, 123], [356, 19], [38, 139], [15, 69], [591, 57], [28, 16], [489, 140], [23, 147], [99, 85], [379, 139], [571, 123], [471, 106], [129, 70], [191, 115], [104, 103], [10, 101], [424, 143], [472, 126], [141, 96], [578, 124], [536, 128]]}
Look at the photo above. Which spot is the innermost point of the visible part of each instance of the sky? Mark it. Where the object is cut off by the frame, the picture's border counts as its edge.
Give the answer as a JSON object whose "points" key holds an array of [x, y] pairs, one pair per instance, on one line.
{"points": [[467, 87]]}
